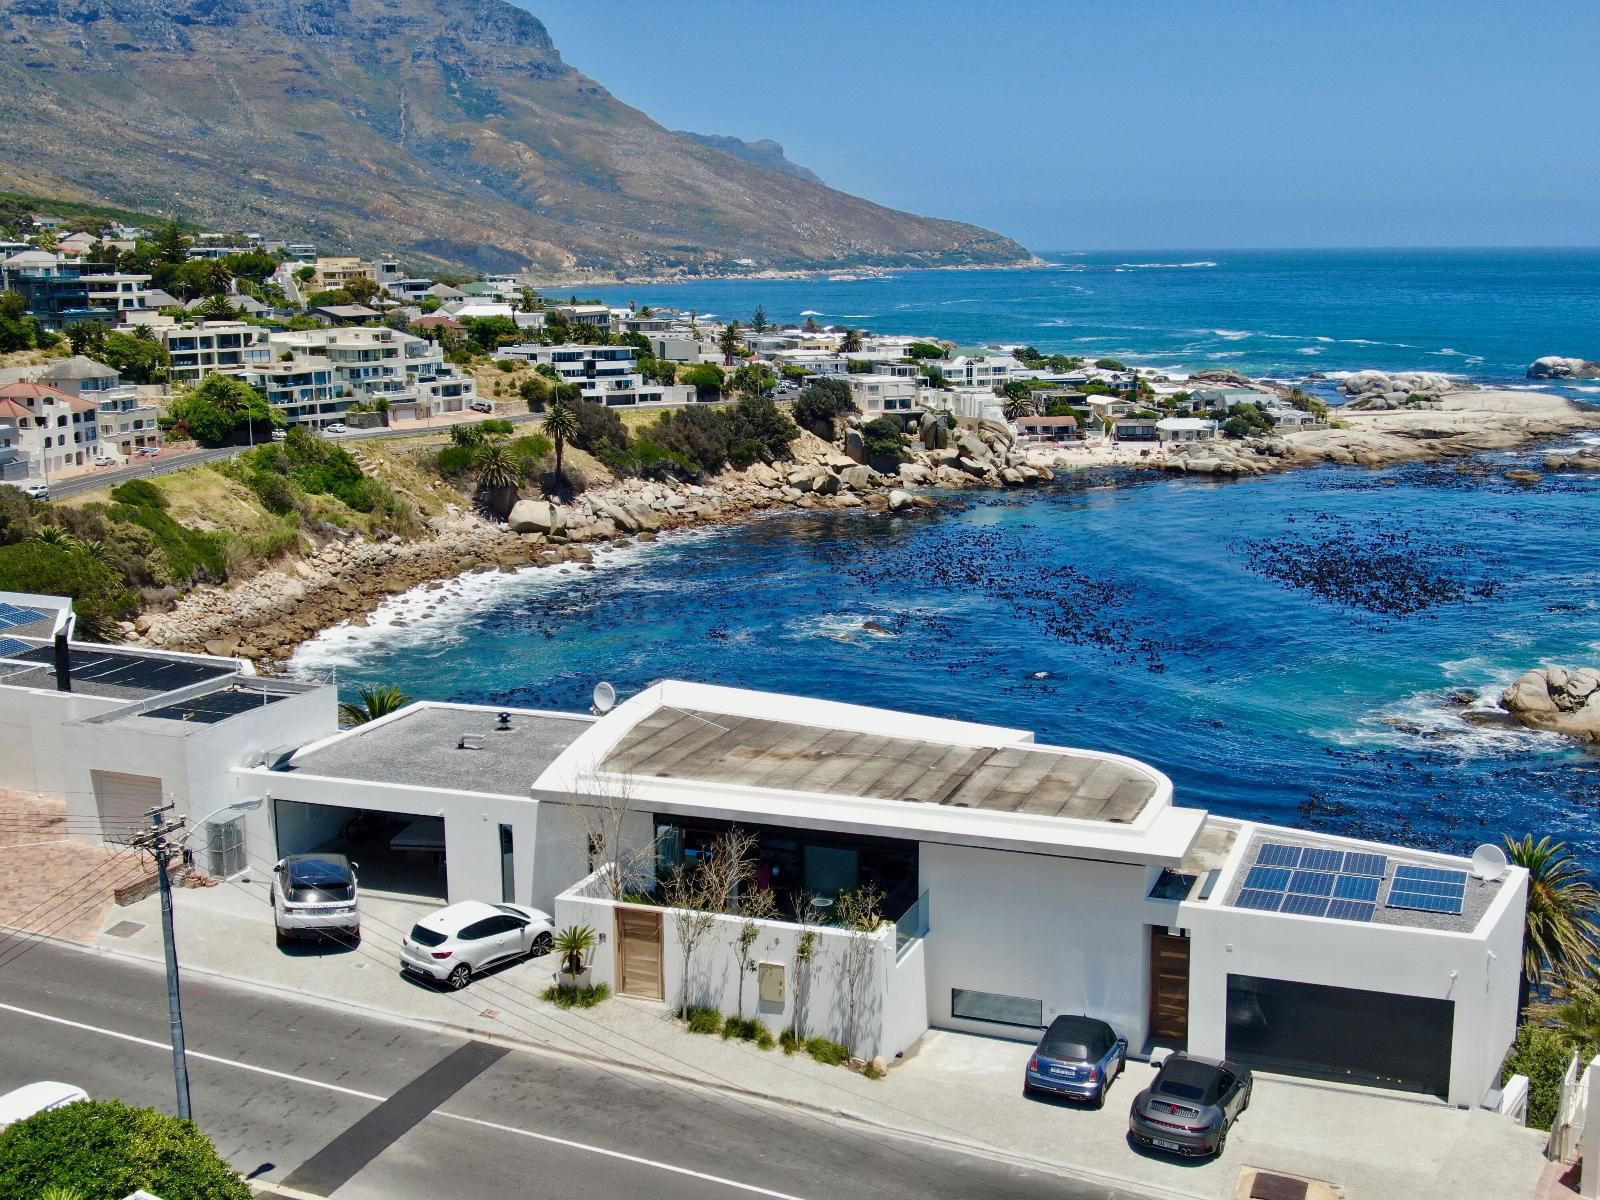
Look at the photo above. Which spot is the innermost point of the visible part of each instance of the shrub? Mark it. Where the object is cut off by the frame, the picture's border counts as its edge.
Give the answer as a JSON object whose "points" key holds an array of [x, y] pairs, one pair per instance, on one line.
{"points": [[107, 1148], [872, 1072], [829, 1053], [139, 493], [882, 439], [190, 553], [100, 595], [576, 997], [1541, 1053], [649, 459], [704, 1020], [821, 404], [1110, 364], [507, 365], [497, 427], [454, 460], [600, 430], [790, 1042], [748, 1029], [568, 482]]}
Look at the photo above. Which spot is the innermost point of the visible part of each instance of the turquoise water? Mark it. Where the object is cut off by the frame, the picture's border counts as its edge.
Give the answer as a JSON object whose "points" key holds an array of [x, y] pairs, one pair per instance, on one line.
{"points": [[1485, 314], [1302, 648]]}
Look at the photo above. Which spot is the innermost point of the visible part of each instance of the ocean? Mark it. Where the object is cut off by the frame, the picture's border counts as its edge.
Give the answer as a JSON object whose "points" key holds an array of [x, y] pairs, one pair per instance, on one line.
{"points": [[1317, 648]]}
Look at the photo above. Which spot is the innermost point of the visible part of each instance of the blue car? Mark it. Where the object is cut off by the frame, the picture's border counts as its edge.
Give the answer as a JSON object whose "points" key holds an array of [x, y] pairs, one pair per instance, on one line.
{"points": [[1077, 1058]]}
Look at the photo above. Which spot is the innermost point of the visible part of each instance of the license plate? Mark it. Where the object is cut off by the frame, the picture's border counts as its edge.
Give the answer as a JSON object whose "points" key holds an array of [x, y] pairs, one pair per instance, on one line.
{"points": [[1065, 1071], [1164, 1144]]}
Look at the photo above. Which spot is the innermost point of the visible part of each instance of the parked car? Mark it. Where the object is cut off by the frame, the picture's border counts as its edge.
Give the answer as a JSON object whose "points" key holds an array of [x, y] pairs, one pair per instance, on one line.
{"points": [[481, 406], [1077, 1057], [315, 894], [452, 945], [39, 491], [280, 435], [148, 451], [34, 1098], [335, 427], [1190, 1106]]}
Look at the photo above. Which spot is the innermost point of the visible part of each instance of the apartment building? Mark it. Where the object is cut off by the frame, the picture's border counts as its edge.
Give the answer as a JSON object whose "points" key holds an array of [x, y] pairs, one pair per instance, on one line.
{"points": [[54, 429], [878, 394], [125, 421], [304, 389], [330, 273], [607, 375], [198, 349], [367, 364]]}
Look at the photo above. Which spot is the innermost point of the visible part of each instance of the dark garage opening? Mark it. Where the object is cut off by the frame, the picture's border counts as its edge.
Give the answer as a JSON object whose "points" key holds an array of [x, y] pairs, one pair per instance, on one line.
{"points": [[1341, 1034], [397, 852]]}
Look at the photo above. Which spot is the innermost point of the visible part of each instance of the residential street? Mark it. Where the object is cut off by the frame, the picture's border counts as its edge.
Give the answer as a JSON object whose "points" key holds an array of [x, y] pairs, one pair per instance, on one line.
{"points": [[361, 1108]]}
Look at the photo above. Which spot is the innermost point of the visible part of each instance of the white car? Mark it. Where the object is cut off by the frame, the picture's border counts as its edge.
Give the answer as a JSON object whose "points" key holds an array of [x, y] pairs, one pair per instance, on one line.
{"points": [[336, 427], [316, 894], [452, 945], [35, 1098], [481, 406], [39, 491], [279, 435]]}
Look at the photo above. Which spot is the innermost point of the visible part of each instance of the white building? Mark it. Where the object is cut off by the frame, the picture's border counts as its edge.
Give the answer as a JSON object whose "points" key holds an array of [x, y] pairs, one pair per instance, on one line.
{"points": [[607, 375], [200, 348], [980, 370], [1023, 880], [817, 362], [125, 421], [367, 364], [55, 430], [1185, 429], [877, 394], [119, 291]]}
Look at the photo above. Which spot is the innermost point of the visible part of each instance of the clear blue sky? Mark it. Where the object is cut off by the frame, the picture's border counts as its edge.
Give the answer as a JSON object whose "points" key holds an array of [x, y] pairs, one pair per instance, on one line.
{"points": [[1162, 124]]}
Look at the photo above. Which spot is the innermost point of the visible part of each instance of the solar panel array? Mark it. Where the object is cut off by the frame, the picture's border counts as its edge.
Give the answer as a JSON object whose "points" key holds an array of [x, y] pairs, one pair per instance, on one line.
{"points": [[1311, 881], [216, 706], [13, 616], [10, 647]]}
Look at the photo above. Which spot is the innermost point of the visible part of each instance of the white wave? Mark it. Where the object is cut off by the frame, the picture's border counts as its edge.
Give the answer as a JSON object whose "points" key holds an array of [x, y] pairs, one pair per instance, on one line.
{"points": [[1448, 352], [1233, 335], [857, 316], [1427, 721], [810, 312], [1164, 266], [1309, 350]]}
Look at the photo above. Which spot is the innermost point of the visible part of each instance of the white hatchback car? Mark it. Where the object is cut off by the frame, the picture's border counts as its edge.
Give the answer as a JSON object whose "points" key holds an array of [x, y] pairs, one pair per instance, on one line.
{"points": [[316, 894], [35, 1098], [452, 945]]}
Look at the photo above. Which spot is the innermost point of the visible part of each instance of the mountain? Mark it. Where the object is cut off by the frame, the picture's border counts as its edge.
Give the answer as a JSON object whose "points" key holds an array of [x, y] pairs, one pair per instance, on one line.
{"points": [[764, 153], [445, 131]]}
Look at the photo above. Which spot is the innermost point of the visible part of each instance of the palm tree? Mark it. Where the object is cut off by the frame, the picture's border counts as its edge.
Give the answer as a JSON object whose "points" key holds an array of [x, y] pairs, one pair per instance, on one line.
{"points": [[728, 343], [376, 702], [499, 473], [1017, 407], [1560, 936], [851, 343], [561, 426], [572, 943], [54, 535]]}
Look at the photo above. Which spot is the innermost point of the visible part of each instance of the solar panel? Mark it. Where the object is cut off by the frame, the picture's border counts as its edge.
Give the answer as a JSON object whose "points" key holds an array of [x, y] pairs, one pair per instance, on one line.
{"points": [[1430, 875], [1321, 860], [10, 647], [1312, 883], [1356, 887], [1365, 864], [1275, 854], [1420, 902], [1266, 901], [1267, 879], [1350, 910], [12, 616], [1305, 906]]}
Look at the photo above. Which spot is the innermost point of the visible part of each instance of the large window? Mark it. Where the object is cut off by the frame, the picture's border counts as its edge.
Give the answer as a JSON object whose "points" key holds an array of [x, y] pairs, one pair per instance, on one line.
{"points": [[996, 1009]]}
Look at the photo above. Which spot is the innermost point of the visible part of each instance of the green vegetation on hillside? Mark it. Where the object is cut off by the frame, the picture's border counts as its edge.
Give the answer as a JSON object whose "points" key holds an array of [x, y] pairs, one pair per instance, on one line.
{"points": [[17, 210]]}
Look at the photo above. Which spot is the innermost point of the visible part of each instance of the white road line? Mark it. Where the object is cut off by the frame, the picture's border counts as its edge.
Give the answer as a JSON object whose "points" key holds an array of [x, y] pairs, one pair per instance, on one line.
{"points": [[212, 1058], [747, 1188]]}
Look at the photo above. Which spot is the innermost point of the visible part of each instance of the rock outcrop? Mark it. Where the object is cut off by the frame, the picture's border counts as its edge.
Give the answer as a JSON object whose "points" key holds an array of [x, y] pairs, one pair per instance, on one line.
{"points": [[1557, 700], [1587, 459], [1410, 389], [1555, 367]]}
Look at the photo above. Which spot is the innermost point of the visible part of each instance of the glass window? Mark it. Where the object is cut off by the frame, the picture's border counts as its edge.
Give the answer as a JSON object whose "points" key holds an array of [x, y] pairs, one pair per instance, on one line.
{"points": [[968, 1005]]}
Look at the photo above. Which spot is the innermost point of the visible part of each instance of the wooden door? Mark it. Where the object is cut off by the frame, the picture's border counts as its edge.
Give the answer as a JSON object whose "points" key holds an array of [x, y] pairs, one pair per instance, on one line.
{"points": [[1169, 989], [639, 953]]}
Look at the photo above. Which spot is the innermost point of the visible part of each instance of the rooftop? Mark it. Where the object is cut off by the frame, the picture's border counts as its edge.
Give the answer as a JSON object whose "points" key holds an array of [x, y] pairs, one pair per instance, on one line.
{"points": [[421, 746], [674, 743], [110, 671]]}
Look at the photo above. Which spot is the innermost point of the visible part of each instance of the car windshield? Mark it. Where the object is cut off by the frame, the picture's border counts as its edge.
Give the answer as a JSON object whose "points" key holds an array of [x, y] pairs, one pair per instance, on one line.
{"points": [[424, 936], [1077, 1038], [1190, 1081]]}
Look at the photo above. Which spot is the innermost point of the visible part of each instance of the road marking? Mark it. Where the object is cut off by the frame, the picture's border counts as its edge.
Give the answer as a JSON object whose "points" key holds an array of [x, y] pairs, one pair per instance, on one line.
{"points": [[748, 1189]]}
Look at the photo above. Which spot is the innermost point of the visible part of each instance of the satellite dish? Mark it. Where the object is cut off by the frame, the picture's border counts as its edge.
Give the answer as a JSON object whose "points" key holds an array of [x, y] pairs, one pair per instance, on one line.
{"points": [[1489, 862], [605, 697]]}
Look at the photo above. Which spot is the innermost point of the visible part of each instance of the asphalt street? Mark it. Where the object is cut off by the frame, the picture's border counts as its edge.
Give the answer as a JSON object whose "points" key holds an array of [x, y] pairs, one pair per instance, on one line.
{"points": [[348, 1105]]}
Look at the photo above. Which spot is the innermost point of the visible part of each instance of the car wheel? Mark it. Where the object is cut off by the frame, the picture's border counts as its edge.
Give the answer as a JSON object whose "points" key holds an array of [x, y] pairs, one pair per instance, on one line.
{"points": [[353, 935], [459, 978], [1099, 1098], [1248, 1093], [1222, 1142], [541, 944], [281, 937]]}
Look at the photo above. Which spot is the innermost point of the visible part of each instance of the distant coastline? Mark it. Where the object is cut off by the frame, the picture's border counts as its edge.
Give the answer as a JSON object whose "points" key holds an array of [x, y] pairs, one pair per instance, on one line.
{"points": [[852, 273]]}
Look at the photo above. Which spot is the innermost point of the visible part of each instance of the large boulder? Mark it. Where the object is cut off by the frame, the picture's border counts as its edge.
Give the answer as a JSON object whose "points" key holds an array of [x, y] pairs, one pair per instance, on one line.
{"points": [[1220, 375], [914, 473], [1378, 389], [535, 516], [972, 447], [854, 447], [1558, 700], [1555, 367], [933, 432], [857, 478]]}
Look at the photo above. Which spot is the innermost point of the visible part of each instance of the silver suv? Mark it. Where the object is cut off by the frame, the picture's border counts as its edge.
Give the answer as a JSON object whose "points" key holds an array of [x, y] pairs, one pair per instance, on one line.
{"points": [[316, 894]]}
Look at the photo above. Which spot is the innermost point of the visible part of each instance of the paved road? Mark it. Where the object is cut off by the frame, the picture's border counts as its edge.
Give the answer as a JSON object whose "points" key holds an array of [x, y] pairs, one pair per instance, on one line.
{"points": [[149, 468], [356, 1107]]}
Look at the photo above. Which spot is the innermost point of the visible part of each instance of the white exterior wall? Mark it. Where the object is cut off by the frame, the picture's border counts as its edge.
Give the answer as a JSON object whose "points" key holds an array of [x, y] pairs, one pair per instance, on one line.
{"points": [[1069, 932], [1478, 971], [889, 1014]]}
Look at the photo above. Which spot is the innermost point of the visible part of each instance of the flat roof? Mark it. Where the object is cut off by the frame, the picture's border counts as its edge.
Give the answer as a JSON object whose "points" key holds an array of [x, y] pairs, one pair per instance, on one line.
{"points": [[421, 746], [111, 671], [1478, 896], [674, 743]]}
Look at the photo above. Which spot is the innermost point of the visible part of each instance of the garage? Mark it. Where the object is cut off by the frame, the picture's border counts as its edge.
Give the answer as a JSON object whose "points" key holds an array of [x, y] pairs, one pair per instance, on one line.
{"points": [[401, 853], [1341, 1034], [123, 803]]}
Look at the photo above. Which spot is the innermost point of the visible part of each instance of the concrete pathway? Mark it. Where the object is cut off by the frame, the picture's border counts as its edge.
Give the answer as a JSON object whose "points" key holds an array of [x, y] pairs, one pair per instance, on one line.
{"points": [[952, 1088]]}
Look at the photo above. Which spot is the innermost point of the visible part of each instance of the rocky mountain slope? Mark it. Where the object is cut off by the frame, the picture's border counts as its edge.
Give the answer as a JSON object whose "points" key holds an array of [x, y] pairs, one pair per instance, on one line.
{"points": [[764, 153], [449, 131]]}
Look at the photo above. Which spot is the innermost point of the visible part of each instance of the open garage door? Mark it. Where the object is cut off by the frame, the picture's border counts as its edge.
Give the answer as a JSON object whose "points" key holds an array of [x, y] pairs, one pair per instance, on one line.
{"points": [[1343, 1034], [397, 852], [122, 802]]}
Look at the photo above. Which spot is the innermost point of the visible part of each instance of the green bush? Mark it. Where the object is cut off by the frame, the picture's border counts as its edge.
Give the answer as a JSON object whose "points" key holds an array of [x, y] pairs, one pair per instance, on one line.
{"points": [[192, 554], [600, 429], [748, 1029], [140, 493], [100, 595], [821, 404], [1110, 364], [277, 495], [829, 1053], [649, 459], [791, 1042], [883, 440], [576, 997], [704, 1020], [104, 1148], [1541, 1053], [497, 427]]}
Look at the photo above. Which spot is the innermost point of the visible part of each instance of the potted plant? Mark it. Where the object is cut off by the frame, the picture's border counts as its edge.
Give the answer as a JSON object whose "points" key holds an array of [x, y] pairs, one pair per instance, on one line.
{"points": [[573, 944]]}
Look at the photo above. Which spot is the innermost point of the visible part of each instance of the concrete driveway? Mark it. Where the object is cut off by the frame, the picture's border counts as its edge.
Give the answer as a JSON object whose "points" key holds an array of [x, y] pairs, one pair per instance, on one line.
{"points": [[951, 1088]]}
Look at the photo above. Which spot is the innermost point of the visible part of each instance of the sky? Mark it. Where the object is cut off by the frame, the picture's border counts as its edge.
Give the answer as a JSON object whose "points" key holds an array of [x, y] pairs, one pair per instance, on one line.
{"points": [[1160, 124]]}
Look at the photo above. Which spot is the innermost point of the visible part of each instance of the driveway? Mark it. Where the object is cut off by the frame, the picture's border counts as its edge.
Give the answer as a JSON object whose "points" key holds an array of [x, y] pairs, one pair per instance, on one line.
{"points": [[951, 1088]]}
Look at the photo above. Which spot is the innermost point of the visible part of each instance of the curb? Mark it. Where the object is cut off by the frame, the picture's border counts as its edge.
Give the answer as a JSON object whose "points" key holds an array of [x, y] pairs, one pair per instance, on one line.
{"points": [[528, 1045]]}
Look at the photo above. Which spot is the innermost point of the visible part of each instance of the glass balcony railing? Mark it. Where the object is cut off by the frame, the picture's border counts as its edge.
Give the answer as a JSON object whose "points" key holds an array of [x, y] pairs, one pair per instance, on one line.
{"points": [[912, 926]]}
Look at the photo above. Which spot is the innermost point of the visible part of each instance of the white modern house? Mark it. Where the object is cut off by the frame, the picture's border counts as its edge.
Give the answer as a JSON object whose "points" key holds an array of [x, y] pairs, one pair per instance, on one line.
{"points": [[127, 421], [607, 375], [878, 394], [1020, 881], [200, 348], [364, 364]]}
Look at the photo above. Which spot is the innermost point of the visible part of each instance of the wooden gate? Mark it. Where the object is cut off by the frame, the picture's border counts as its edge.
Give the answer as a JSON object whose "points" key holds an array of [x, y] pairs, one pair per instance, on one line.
{"points": [[1169, 989], [639, 953]]}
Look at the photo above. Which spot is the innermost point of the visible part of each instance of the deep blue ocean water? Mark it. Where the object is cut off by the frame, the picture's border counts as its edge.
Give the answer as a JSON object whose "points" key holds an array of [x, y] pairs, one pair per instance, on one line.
{"points": [[1303, 648]]}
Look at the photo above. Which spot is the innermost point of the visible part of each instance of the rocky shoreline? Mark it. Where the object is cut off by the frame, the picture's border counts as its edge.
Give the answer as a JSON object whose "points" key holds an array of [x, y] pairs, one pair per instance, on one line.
{"points": [[265, 618]]}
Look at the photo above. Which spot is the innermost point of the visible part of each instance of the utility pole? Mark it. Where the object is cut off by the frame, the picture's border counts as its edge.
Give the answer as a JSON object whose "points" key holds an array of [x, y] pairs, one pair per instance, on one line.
{"points": [[155, 841]]}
